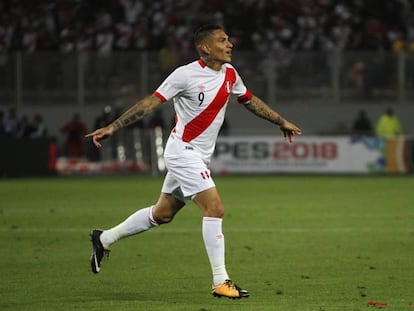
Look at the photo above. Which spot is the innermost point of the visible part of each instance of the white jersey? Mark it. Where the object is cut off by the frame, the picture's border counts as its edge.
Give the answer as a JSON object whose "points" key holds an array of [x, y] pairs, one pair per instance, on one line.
{"points": [[200, 95]]}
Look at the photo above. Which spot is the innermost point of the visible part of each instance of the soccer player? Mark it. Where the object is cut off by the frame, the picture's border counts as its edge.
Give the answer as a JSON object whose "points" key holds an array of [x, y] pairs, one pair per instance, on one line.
{"points": [[200, 91]]}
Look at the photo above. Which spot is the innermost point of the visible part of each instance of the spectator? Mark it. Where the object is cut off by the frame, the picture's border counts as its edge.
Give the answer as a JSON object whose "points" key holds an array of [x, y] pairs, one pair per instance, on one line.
{"points": [[24, 127], [358, 74], [103, 59], [11, 124], [132, 10], [388, 125], [140, 37], [362, 125], [38, 127], [122, 36], [30, 39], [75, 131]]}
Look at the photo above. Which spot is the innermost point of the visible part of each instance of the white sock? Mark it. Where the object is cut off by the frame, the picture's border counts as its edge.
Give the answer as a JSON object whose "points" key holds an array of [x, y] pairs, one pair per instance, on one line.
{"points": [[140, 221], [214, 242]]}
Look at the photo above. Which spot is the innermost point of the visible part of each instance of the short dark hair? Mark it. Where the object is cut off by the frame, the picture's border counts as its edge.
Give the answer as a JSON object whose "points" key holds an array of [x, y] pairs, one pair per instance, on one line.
{"points": [[204, 31]]}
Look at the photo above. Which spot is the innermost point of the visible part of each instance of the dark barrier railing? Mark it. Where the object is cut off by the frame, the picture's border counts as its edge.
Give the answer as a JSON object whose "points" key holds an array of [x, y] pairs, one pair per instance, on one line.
{"points": [[27, 157]]}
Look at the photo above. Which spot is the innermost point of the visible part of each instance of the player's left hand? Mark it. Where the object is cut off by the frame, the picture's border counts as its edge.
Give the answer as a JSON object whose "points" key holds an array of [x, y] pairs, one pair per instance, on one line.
{"points": [[290, 130], [101, 134]]}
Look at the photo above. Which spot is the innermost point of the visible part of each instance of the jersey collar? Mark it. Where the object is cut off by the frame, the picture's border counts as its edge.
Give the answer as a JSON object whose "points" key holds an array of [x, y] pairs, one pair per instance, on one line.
{"points": [[202, 63]]}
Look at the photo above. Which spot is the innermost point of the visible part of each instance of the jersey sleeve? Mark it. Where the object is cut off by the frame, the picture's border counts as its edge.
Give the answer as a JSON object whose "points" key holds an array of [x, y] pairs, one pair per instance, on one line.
{"points": [[172, 85], [240, 90]]}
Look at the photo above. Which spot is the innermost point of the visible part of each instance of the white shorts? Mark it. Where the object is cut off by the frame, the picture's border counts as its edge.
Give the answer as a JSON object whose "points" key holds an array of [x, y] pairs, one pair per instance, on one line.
{"points": [[187, 173]]}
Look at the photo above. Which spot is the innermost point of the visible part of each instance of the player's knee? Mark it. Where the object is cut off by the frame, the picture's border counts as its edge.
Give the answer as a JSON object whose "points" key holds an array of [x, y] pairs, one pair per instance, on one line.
{"points": [[215, 209], [217, 213], [166, 208], [163, 218], [210, 203]]}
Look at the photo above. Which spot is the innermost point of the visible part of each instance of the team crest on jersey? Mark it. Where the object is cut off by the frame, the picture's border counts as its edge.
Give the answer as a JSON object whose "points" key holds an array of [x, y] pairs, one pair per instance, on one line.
{"points": [[229, 86]]}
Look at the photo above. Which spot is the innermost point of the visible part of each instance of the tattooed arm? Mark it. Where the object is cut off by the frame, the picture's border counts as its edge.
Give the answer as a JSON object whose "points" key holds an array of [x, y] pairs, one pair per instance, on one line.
{"points": [[132, 115], [136, 112], [262, 110]]}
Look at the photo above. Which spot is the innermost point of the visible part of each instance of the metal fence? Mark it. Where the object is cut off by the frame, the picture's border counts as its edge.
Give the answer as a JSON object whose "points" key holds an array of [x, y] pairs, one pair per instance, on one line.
{"points": [[87, 79]]}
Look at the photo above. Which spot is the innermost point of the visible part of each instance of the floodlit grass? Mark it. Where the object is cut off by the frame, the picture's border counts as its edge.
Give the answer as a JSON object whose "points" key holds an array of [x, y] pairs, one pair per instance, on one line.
{"points": [[295, 242]]}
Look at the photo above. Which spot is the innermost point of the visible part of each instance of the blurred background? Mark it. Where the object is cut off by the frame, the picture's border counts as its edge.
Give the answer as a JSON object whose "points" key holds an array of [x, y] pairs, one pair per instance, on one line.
{"points": [[341, 70]]}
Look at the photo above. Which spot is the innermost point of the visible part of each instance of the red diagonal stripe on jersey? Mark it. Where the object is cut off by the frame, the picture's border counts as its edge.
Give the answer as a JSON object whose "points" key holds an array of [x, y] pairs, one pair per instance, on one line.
{"points": [[201, 122]]}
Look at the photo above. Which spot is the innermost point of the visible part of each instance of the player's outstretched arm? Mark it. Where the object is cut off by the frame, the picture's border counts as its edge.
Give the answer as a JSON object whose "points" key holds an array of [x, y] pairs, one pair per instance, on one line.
{"points": [[262, 110], [132, 115]]}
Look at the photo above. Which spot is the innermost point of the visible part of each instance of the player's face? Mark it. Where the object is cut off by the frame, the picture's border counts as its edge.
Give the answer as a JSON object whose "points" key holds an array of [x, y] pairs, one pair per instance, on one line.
{"points": [[220, 47]]}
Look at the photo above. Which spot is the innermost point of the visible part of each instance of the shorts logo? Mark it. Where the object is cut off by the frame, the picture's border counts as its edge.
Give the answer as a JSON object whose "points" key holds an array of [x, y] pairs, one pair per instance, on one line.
{"points": [[205, 174]]}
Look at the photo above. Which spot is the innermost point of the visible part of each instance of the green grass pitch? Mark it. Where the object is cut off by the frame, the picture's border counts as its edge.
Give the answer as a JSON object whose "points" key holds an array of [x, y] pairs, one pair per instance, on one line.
{"points": [[295, 242]]}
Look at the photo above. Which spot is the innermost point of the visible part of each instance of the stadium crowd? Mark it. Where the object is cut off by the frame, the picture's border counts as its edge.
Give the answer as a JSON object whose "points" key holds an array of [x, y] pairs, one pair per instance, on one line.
{"points": [[14, 126], [107, 25]]}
